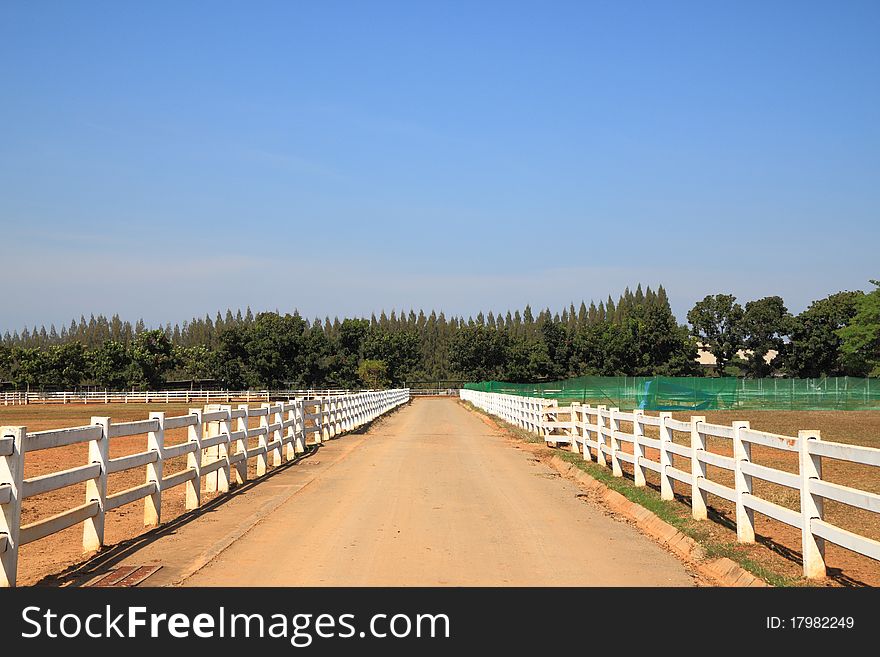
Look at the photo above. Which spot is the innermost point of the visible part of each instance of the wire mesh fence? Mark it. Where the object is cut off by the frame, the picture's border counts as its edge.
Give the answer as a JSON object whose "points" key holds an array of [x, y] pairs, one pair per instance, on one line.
{"points": [[663, 393]]}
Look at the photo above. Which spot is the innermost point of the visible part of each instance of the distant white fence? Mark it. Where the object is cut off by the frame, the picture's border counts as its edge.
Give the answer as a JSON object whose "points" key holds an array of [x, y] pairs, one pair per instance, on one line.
{"points": [[214, 452], [15, 398], [594, 432]]}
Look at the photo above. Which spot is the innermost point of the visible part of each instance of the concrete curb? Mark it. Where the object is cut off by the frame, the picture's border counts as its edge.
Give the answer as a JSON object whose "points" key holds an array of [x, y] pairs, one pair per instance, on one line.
{"points": [[721, 570]]}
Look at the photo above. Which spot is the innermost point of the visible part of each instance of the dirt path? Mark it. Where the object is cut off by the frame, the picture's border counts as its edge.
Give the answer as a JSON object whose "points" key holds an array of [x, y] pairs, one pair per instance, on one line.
{"points": [[433, 496]]}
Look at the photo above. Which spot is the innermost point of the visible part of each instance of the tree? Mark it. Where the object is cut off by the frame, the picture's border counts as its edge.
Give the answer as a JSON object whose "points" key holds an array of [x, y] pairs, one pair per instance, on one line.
{"points": [[195, 361], [717, 322], [478, 353], [109, 364], [399, 350], [66, 364], [860, 339], [374, 373], [152, 356], [765, 324], [814, 348]]}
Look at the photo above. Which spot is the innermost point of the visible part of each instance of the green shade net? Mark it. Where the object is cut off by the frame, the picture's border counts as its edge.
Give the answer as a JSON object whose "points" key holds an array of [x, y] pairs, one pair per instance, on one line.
{"points": [[666, 393]]}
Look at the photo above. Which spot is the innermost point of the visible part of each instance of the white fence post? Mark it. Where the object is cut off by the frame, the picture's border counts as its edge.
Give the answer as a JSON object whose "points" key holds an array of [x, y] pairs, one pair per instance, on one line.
{"points": [[194, 462], [299, 428], [263, 459], [573, 431], [211, 454], [638, 448], [600, 435], [241, 468], [699, 497], [155, 443], [291, 430], [667, 492], [12, 475], [585, 433], [745, 517], [96, 489], [812, 506], [278, 434], [224, 474], [613, 427]]}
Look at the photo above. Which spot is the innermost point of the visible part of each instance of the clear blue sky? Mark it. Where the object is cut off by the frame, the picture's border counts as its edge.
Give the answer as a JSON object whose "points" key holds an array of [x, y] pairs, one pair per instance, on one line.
{"points": [[167, 159]]}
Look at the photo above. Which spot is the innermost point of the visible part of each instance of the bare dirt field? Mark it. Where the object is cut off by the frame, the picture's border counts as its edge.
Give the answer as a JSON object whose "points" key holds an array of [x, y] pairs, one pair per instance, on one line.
{"points": [[54, 553]]}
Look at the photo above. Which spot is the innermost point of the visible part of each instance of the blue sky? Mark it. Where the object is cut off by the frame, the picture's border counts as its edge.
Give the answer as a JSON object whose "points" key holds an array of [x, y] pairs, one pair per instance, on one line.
{"points": [[168, 159]]}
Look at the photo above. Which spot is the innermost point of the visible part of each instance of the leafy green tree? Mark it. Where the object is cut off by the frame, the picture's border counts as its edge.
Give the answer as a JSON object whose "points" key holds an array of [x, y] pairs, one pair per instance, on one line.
{"points": [[814, 348], [109, 364], [152, 357], [194, 362], [765, 324], [29, 367], [274, 350], [664, 347], [860, 339], [478, 353], [228, 361], [374, 373], [66, 364], [5, 362], [399, 350], [717, 323]]}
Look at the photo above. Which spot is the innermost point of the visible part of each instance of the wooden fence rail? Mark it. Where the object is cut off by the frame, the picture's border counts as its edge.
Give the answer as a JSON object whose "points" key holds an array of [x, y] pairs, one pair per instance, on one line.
{"points": [[216, 457], [594, 432]]}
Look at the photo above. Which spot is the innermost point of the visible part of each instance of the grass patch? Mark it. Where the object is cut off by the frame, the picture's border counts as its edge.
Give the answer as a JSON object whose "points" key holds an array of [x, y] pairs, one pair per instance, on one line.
{"points": [[671, 512]]}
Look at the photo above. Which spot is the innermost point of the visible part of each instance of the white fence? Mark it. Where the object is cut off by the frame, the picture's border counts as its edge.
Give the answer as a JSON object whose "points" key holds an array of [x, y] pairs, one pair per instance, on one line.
{"points": [[16, 398], [214, 453], [594, 432]]}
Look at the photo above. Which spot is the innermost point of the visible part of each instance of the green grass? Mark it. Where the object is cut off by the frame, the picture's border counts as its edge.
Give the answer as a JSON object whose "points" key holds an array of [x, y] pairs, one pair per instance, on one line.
{"points": [[669, 511]]}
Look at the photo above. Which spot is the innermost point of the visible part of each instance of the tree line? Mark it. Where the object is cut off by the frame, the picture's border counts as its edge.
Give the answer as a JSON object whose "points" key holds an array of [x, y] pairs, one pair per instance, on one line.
{"points": [[637, 335]]}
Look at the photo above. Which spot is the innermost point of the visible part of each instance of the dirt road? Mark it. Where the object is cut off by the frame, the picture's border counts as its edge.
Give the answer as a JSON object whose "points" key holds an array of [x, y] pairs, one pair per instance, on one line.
{"points": [[435, 496]]}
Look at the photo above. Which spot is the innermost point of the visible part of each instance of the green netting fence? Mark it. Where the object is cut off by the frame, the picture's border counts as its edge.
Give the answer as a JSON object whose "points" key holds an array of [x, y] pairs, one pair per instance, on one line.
{"points": [[664, 393]]}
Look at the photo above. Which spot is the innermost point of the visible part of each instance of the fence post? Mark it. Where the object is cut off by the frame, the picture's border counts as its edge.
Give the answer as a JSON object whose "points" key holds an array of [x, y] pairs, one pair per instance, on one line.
{"points": [[319, 419], [745, 517], [224, 474], [638, 448], [291, 431], [12, 475], [614, 426], [211, 454], [299, 428], [277, 435], [194, 462], [667, 492], [263, 459], [585, 433], [600, 435], [155, 443], [241, 468], [96, 489], [812, 506], [699, 497], [573, 430]]}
